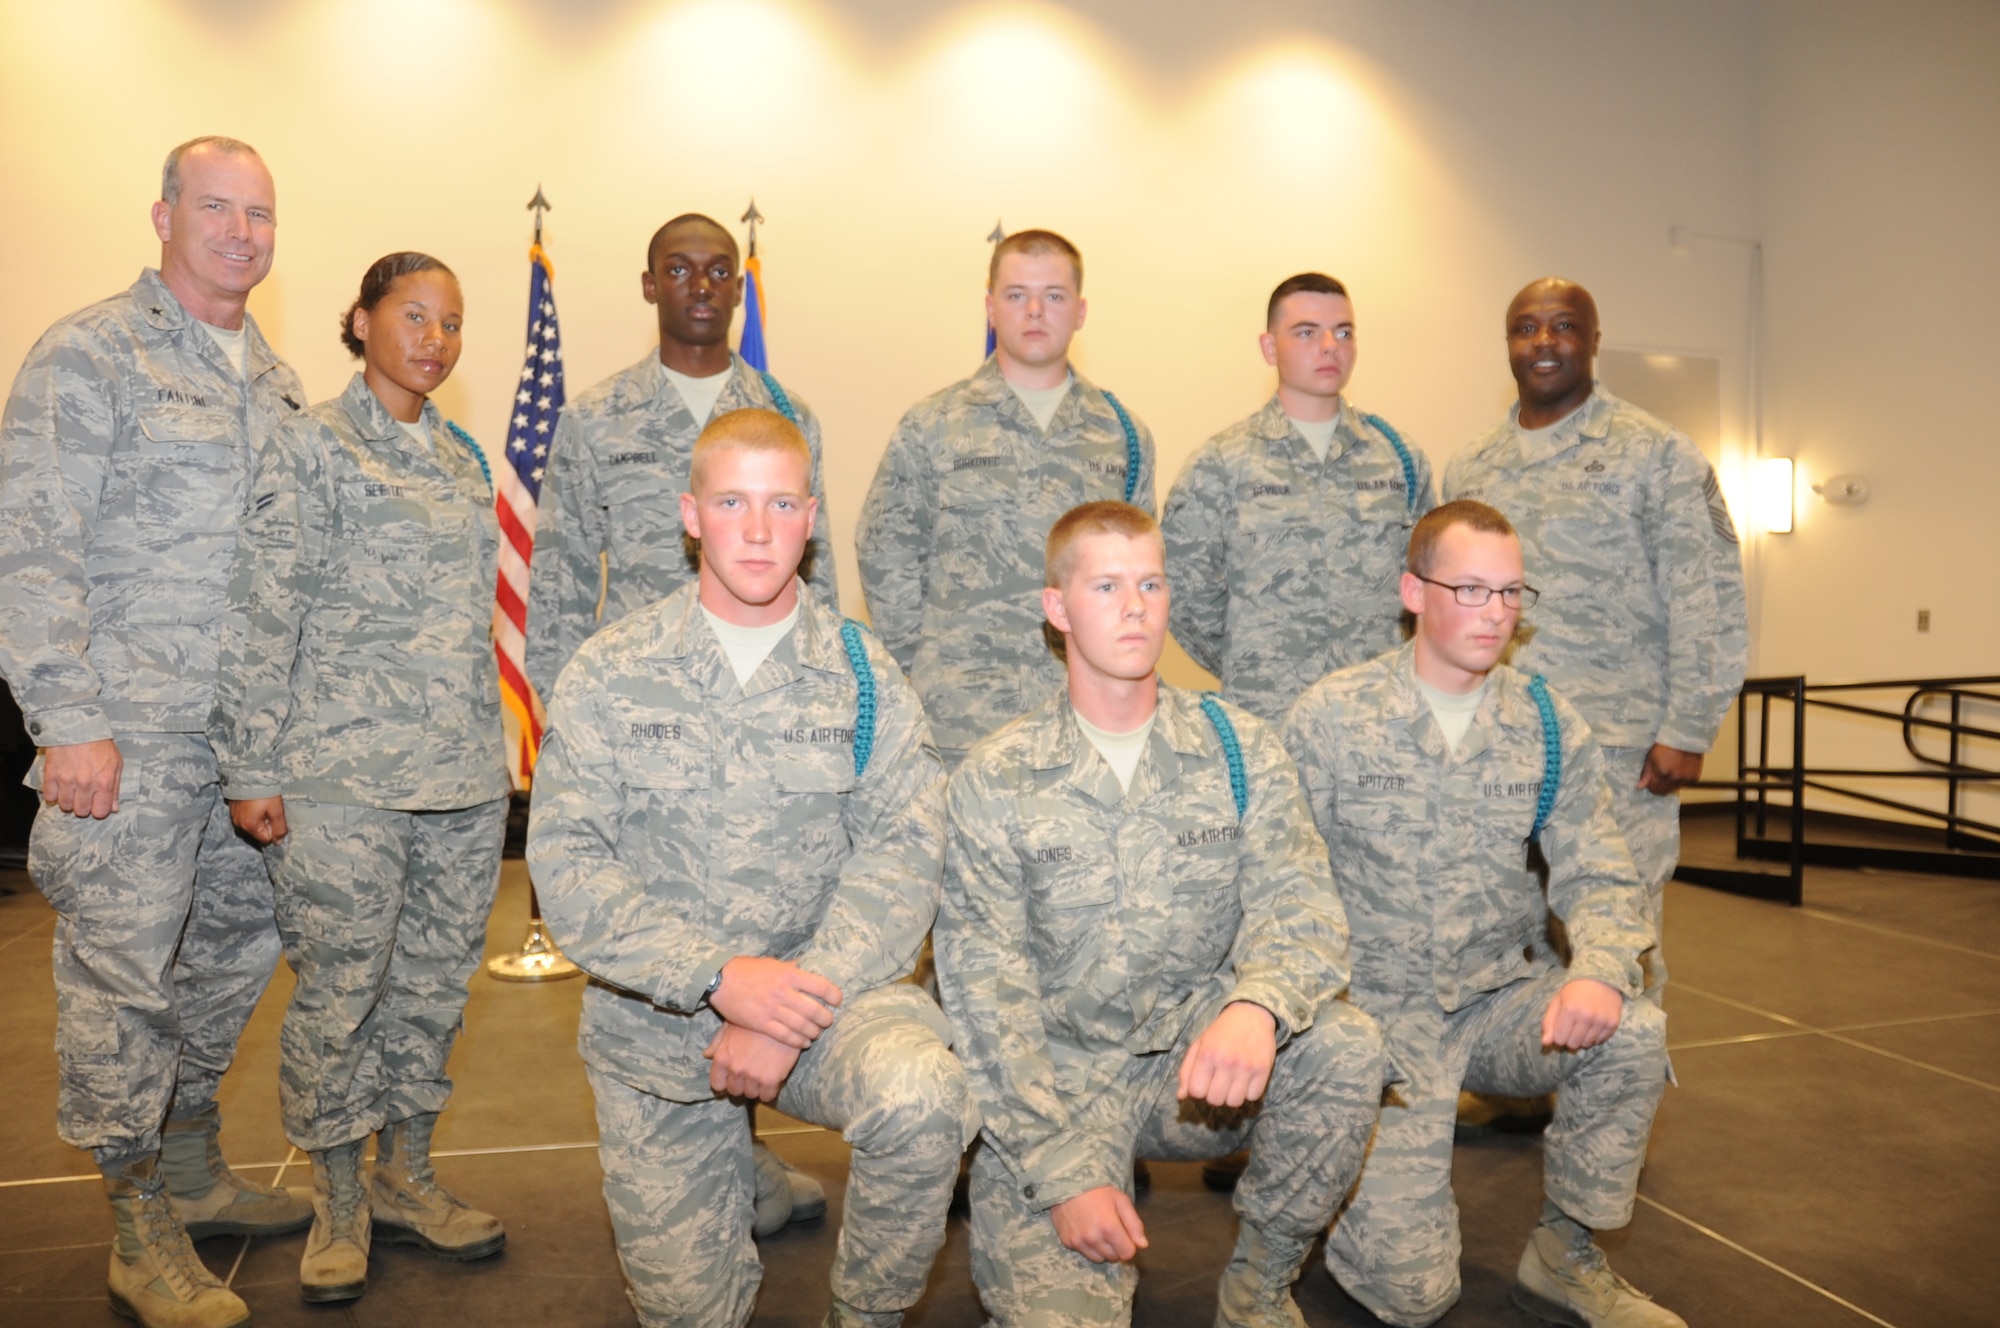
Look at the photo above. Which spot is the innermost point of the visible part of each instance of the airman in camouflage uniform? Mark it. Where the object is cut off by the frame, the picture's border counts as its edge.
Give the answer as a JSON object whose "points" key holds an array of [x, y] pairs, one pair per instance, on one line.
{"points": [[950, 537], [609, 523], [1097, 944], [125, 453], [1642, 622], [1284, 560], [698, 840], [1428, 839], [359, 708]]}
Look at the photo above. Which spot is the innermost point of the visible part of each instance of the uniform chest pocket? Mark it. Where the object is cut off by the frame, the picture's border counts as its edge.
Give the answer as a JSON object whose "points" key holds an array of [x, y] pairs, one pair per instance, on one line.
{"points": [[816, 761], [666, 767], [183, 470], [1375, 802], [1273, 510], [1204, 858], [975, 483], [386, 521]]}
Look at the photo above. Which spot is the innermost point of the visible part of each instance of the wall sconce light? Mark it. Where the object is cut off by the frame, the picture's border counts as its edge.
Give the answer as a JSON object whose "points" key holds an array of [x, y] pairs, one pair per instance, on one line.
{"points": [[1771, 496]]}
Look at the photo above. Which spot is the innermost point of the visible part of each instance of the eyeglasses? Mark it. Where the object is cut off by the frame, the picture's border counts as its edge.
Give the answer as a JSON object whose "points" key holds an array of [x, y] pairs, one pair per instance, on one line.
{"points": [[1478, 597]]}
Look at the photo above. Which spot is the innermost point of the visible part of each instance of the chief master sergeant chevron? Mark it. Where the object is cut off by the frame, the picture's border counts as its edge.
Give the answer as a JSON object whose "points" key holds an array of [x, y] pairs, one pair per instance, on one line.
{"points": [[1142, 952], [950, 537], [1642, 623], [737, 832], [609, 525], [125, 456], [1429, 771], [1285, 532]]}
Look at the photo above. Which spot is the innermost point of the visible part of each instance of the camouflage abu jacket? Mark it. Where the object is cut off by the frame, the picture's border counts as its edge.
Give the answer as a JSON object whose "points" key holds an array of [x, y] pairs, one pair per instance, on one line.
{"points": [[611, 508], [951, 536], [357, 657], [1083, 927], [125, 453], [1285, 567], [681, 820], [1642, 621], [1431, 850]]}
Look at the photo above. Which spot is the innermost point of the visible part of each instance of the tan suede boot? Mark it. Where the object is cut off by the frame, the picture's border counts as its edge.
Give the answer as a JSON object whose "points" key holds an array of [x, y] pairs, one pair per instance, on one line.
{"points": [[1567, 1281], [209, 1198], [411, 1208], [335, 1266], [1256, 1287], [156, 1277]]}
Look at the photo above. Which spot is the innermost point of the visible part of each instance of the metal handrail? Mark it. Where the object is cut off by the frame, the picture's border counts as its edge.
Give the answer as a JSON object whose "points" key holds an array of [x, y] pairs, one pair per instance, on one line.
{"points": [[1967, 849]]}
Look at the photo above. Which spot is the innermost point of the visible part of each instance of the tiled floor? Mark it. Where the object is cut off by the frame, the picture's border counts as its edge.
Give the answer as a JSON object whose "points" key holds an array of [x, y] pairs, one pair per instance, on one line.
{"points": [[1832, 1156]]}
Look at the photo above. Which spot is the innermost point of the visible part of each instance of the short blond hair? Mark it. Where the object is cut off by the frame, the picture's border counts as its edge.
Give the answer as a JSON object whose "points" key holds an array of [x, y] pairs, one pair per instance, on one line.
{"points": [[1102, 518], [1434, 523], [748, 431], [1036, 244]]}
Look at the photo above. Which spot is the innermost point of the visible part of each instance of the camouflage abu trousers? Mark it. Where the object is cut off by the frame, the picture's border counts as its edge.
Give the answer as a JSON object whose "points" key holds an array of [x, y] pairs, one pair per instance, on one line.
{"points": [[1651, 825], [384, 919], [1305, 1138], [677, 1175], [164, 944], [1395, 1247]]}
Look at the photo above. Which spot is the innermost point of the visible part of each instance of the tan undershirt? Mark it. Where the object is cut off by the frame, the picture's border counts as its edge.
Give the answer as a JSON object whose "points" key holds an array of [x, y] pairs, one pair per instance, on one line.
{"points": [[1043, 402], [1454, 713], [748, 647], [1121, 751]]}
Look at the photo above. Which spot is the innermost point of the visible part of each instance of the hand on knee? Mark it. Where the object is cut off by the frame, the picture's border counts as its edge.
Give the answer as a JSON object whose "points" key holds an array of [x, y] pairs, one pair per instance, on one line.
{"points": [[1583, 1014], [776, 998], [747, 1064], [1101, 1225], [1230, 1063]]}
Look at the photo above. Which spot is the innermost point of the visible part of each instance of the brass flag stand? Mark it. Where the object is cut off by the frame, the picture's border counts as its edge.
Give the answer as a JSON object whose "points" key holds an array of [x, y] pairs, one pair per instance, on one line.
{"points": [[517, 490]]}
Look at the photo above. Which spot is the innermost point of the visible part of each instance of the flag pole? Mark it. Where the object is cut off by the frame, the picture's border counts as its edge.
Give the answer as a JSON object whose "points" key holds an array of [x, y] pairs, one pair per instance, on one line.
{"points": [[539, 959], [999, 234]]}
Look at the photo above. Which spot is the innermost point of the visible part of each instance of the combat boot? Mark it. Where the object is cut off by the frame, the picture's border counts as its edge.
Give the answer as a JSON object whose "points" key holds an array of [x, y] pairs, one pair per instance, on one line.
{"points": [[209, 1198], [840, 1314], [1256, 1287], [1567, 1281], [335, 1266], [784, 1193], [411, 1208], [156, 1277]]}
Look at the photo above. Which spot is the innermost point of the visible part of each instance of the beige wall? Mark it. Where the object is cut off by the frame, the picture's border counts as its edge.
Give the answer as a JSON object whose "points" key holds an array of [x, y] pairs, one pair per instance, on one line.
{"points": [[1880, 150], [1435, 155]]}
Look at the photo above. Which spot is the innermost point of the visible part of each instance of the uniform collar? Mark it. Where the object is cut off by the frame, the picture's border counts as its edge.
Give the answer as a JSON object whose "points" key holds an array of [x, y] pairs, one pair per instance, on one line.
{"points": [[163, 310], [1591, 420], [685, 636], [1505, 705], [373, 421], [1085, 401], [1180, 730]]}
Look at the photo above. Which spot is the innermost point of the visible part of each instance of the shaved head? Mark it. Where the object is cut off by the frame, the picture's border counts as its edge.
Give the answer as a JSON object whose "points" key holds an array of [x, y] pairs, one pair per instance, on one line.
{"points": [[1555, 288], [688, 221], [1552, 338]]}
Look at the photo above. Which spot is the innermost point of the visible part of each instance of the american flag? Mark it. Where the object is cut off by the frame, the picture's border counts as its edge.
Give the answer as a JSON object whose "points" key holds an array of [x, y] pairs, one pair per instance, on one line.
{"points": [[538, 401]]}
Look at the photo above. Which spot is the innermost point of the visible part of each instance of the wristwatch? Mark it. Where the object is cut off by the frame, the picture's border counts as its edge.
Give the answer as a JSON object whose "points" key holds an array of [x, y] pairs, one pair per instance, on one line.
{"points": [[714, 984]]}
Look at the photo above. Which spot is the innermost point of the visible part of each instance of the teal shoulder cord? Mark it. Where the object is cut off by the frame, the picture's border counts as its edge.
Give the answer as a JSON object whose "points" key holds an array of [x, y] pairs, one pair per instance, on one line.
{"points": [[1131, 447], [1552, 753], [864, 695], [784, 403], [478, 454], [1402, 455], [1232, 751]]}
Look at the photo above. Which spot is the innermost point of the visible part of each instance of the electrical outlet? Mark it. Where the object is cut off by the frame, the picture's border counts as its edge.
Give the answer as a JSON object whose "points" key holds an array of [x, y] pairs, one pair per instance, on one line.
{"points": [[1923, 620]]}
